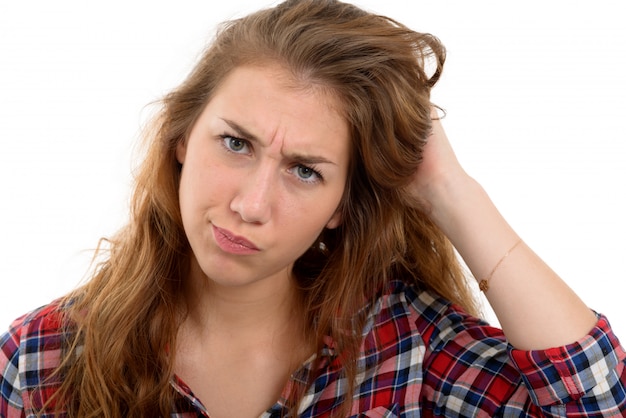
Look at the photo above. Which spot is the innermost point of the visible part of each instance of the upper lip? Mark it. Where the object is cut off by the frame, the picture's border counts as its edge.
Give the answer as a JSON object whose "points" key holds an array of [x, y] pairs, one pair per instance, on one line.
{"points": [[236, 238]]}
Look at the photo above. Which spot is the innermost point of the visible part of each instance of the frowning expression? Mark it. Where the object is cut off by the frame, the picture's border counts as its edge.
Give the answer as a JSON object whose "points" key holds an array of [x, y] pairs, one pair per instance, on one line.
{"points": [[264, 170]]}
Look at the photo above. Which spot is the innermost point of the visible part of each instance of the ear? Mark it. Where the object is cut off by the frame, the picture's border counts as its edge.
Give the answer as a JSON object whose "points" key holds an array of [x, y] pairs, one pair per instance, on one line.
{"points": [[335, 221], [181, 151]]}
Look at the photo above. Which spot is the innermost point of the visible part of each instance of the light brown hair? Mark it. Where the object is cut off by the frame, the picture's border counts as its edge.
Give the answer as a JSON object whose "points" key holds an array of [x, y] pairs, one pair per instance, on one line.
{"points": [[121, 324]]}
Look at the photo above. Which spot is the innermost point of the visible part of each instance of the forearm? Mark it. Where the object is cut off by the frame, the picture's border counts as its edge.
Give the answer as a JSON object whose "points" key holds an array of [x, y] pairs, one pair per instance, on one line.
{"points": [[535, 307]]}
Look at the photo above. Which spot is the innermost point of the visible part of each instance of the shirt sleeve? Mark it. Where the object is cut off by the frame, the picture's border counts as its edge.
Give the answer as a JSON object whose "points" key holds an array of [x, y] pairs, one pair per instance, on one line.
{"points": [[11, 404], [471, 371], [29, 351], [583, 378]]}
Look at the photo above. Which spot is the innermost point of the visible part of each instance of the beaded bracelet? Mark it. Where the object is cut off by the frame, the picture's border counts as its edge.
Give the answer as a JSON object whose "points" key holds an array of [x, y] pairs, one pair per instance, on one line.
{"points": [[483, 285]]}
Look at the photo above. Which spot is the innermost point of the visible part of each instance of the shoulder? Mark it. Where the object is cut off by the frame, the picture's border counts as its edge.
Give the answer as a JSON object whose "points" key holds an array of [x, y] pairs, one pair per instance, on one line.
{"points": [[29, 351], [426, 312], [405, 314], [34, 330]]}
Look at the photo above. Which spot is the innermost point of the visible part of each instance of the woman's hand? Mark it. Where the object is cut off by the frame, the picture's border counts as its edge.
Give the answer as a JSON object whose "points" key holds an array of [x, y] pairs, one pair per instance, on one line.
{"points": [[535, 307], [439, 173]]}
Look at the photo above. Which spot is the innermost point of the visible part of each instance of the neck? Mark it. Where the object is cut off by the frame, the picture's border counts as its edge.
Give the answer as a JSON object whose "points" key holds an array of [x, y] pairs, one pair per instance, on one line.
{"points": [[265, 306], [259, 322]]}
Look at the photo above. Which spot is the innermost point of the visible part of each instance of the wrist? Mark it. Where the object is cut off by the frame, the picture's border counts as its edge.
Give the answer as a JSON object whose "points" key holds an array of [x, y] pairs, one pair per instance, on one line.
{"points": [[451, 199]]}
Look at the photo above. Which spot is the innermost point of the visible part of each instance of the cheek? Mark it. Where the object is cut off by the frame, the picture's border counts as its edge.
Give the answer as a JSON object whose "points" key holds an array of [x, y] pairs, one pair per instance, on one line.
{"points": [[200, 179], [194, 191], [335, 208], [185, 198], [314, 215]]}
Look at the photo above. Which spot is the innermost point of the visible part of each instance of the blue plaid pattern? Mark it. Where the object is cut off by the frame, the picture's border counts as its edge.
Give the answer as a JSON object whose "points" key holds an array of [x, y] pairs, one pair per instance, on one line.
{"points": [[420, 357]]}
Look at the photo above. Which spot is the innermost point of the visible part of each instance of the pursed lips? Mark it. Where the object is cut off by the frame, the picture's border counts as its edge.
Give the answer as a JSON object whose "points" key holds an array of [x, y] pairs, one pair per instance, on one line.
{"points": [[224, 234]]}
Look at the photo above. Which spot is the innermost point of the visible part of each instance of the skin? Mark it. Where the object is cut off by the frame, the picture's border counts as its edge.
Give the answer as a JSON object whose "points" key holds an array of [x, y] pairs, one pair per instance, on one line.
{"points": [[255, 189], [536, 309], [249, 167]]}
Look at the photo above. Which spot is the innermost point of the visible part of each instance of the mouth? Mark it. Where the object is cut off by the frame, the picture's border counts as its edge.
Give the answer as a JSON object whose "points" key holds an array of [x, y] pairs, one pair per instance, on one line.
{"points": [[232, 243]]}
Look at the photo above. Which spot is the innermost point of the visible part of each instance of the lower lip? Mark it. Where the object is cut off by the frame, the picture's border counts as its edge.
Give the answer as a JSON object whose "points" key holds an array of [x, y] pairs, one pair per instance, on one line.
{"points": [[229, 246]]}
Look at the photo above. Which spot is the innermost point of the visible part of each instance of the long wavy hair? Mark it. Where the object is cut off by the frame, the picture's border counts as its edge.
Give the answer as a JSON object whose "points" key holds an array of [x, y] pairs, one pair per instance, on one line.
{"points": [[121, 325]]}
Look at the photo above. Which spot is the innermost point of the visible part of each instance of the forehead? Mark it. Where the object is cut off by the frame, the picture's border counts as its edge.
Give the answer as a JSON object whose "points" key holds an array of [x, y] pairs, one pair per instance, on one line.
{"points": [[271, 101], [283, 79]]}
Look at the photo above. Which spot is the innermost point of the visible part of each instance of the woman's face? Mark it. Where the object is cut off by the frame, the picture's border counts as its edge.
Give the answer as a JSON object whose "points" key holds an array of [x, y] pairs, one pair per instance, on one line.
{"points": [[264, 170]]}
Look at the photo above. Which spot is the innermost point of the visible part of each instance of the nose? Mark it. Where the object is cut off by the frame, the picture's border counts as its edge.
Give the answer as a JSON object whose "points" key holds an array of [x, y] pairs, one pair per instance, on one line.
{"points": [[254, 198]]}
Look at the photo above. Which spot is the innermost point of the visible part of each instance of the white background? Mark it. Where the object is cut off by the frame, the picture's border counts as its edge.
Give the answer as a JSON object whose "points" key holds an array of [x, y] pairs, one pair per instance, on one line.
{"points": [[535, 95]]}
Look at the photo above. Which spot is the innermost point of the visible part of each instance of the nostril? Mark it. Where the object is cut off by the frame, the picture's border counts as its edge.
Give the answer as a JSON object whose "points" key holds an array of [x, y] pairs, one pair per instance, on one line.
{"points": [[253, 206]]}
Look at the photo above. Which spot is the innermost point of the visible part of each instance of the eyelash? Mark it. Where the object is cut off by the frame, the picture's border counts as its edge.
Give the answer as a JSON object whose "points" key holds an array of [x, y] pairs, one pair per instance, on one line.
{"points": [[318, 177]]}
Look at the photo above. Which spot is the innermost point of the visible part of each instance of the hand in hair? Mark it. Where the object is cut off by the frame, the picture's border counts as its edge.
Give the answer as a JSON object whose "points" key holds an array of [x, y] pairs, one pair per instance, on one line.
{"points": [[535, 307], [439, 170]]}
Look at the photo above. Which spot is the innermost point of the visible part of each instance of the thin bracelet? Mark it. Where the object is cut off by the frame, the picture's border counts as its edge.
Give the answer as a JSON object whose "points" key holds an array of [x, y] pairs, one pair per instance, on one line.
{"points": [[483, 285]]}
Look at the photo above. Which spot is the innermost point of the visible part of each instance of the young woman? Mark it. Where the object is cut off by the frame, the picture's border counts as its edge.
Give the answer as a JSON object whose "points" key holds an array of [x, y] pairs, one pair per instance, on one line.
{"points": [[291, 253]]}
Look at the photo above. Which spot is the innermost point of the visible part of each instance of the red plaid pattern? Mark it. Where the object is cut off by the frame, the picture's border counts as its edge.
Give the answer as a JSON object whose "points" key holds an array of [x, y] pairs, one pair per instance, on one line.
{"points": [[420, 357]]}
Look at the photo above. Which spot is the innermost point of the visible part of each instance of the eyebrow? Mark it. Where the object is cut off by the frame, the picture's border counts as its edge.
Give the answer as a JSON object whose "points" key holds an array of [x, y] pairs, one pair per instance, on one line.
{"points": [[300, 158]]}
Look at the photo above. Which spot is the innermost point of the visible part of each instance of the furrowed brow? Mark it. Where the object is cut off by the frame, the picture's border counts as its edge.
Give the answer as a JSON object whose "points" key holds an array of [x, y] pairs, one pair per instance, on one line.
{"points": [[309, 159], [299, 158], [240, 131]]}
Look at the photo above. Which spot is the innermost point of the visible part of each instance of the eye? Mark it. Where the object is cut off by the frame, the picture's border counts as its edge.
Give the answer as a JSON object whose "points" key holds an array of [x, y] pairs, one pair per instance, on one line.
{"points": [[307, 174], [234, 144]]}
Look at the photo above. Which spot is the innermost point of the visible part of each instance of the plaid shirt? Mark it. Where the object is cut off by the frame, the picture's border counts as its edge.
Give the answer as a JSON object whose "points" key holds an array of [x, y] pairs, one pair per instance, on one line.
{"points": [[420, 357]]}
